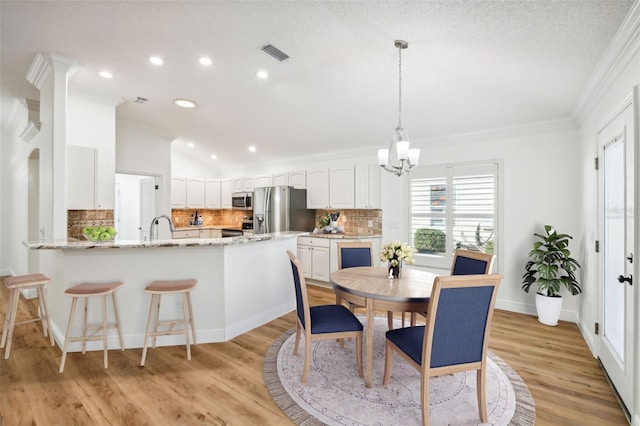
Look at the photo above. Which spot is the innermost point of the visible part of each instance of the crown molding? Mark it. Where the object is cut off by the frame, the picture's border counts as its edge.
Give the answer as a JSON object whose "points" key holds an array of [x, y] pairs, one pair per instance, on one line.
{"points": [[620, 51], [44, 63]]}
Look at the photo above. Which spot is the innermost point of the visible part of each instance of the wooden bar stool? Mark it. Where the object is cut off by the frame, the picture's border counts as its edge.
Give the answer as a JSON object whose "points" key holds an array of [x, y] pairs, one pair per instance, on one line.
{"points": [[87, 290], [157, 289], [15, 284]]}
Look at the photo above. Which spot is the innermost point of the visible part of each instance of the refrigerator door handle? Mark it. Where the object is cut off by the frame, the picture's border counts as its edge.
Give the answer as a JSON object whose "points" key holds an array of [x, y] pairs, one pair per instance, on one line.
{"points": [[267, 216]]}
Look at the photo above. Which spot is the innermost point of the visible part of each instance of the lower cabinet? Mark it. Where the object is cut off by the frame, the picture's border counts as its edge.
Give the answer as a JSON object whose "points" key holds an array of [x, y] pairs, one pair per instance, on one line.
{"points": [[314, 256]]}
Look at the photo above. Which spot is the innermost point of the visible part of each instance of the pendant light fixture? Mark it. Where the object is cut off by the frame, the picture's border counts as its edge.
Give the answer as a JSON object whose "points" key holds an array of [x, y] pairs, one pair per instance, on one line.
{"points": [[406, 158]]}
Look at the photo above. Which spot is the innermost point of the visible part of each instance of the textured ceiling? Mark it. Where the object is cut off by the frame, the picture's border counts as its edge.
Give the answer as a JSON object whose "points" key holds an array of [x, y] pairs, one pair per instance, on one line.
{"points": [[470, 66]]}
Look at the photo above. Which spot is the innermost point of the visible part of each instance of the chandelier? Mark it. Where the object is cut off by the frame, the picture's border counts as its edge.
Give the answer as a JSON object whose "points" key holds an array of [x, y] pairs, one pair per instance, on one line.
{"points": [[406, 159]]}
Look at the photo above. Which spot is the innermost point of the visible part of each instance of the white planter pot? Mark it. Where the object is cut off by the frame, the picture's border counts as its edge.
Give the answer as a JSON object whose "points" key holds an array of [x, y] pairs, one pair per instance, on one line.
{"points": [[548, 309]]}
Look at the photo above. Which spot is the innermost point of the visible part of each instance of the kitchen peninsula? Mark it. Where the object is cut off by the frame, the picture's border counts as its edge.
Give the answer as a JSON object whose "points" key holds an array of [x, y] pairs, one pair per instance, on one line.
{"points": [[243, 282]]}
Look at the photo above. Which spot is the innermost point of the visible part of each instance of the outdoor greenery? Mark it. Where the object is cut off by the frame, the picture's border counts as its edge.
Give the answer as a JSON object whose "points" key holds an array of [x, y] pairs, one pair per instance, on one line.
{"points": [[428, 240], [550, 265]]}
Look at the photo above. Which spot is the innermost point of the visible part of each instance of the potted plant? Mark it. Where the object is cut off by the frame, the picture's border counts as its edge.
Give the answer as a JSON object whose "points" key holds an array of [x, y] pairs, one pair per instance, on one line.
{"points": [[550, 267]]}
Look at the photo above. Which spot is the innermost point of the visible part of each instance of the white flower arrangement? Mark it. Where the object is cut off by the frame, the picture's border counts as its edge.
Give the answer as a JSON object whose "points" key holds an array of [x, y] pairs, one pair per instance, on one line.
{"points": [[397, 252]]}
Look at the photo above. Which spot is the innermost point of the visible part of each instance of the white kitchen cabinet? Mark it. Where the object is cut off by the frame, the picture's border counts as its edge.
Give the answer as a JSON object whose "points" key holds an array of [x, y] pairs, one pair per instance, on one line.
{"points": [[195, 193], [314, 256], [367, 186], [212, 193], [226, 189], [205, 233], [263, 181], [178, 192], [330, 188], [216, 233], [81, 177], [186, 233], [298, 179], [243, 184], [281, 179]]}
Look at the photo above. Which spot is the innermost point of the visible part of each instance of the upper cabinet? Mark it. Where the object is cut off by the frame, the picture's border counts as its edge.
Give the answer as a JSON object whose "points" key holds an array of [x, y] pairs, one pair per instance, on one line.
{"points": [[226, 189], [178, 192], [263, 181], [297, 179], [212, 193], [195, 193], [367, 191], [243, 185], [330, 188]]}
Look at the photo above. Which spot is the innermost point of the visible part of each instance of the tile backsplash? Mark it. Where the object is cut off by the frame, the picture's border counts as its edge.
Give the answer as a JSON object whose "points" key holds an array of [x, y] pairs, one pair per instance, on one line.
{"points": [[78, 219], [356, 221], [210, 217]]}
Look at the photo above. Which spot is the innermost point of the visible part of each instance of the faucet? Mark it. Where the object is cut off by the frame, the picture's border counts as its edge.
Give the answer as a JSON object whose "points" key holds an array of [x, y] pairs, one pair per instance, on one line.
{"points": [[155, 222]]}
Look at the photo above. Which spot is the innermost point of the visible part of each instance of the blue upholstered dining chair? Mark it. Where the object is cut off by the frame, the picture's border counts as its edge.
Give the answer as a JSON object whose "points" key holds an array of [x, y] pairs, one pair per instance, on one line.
{"points": [[353, 254], [455, 337], [466, 262], [321, 322]]}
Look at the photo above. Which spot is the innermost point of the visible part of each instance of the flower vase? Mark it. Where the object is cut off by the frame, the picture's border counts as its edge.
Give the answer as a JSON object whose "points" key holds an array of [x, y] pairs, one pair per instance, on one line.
{"points": [[395, 271]]}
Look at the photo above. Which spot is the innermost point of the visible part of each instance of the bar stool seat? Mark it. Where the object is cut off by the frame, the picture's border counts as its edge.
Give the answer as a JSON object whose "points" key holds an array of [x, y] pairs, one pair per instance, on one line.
{"points": [[15, 284], [157, 289], [99, 331]]}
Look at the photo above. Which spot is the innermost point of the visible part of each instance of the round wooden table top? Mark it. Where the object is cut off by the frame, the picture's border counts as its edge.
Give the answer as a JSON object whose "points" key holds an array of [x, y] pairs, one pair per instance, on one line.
{"points": [[414, 285]]}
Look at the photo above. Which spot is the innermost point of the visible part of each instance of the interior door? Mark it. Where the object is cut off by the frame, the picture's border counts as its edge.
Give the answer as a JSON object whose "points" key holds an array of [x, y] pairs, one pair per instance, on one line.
{"points": [[147, 206], [616, 153]]}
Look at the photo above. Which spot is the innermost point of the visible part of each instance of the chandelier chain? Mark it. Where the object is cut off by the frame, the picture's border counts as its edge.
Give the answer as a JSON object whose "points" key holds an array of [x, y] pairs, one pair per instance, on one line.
{"points": [[400, 87]]}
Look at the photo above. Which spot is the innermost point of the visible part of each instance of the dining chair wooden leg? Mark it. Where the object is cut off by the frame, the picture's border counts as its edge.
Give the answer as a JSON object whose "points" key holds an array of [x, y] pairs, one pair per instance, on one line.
{"points": [[390, 320], [307, 358], [297, 343], [424, 394], [482, 396], [151, 315], [74, 302], [12, 321], [105, 349], [359, 354], [388, 358], [155, 326], [85, 324], [7, 319], [44, 314]]}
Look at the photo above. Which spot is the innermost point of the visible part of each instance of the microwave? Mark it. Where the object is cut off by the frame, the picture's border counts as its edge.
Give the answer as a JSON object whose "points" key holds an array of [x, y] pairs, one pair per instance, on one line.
{"points": [[242, 200]]}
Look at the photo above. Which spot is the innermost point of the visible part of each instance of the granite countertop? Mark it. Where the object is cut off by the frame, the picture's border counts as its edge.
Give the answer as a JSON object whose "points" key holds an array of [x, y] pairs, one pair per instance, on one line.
{"points": [[183, 242], [336, 235]]}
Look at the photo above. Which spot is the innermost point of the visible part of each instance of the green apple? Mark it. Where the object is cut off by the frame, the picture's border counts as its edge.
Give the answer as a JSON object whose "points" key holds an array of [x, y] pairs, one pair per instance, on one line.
{"points": [[111, 230], [87, 230], [105, 236]]}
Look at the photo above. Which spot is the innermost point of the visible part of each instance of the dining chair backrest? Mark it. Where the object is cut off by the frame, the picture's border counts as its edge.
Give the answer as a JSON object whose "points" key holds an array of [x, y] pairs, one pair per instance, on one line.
{"points": [[302, 298], [352, 254], [459, 320], [467, 262]]}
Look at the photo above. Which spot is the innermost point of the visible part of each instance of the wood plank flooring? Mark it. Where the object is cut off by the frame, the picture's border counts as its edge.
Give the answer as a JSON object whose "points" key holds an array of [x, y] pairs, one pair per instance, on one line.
{"points": [[223, 383]]}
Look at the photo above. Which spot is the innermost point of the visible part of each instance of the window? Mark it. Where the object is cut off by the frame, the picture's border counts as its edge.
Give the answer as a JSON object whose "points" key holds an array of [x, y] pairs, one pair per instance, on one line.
{"points": [[453, 207]]}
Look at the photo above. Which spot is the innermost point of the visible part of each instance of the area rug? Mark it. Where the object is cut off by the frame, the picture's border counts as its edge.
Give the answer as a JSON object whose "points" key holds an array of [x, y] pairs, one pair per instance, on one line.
{"points": [[335, 395]]}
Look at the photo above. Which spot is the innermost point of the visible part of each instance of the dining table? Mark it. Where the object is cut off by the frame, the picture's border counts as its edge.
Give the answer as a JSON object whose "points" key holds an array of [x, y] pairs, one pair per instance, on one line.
{"points": [[371, 288]]}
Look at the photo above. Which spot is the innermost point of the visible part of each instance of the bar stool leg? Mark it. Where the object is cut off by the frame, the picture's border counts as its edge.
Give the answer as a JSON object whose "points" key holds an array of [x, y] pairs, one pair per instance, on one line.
{"points": [[74, 302], [185, 311], [115, 309], [7, 318], [193, 325], [155, 325], [46, 322], [146, 334], [15, 293], [104, 331], [85, 324]]}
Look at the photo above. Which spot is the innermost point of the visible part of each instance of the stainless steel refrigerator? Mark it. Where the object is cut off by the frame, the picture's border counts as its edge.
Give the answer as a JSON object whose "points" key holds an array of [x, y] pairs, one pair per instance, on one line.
{"points": [[281, 209]]}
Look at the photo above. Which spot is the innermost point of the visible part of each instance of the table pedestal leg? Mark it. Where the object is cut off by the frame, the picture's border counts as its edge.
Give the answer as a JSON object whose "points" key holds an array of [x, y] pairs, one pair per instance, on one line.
{"points": [[371, 315]]}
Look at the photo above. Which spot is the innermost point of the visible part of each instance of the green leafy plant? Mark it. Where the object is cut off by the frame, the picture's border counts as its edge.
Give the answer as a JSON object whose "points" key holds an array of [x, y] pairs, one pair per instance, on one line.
{"points": [[550, 265], [324, 220], [428, 240]]}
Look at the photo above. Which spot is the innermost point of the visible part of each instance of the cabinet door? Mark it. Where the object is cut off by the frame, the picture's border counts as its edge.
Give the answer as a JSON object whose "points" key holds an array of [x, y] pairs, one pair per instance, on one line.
{"points": [[212, 193], [263, 181], [298, 179], [320, 263], [304, 254], [238, 185], [341, 188], [367, 187], [281, 179], [195, 193], [178, 193], [318, 189], [81, 180], [205, 233], [248, 184], [226, 189]]}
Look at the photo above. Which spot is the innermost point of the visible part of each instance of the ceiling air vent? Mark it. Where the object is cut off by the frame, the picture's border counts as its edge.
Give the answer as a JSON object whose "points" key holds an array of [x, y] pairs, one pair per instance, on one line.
{"points": [[140, 100], [275, 52]]}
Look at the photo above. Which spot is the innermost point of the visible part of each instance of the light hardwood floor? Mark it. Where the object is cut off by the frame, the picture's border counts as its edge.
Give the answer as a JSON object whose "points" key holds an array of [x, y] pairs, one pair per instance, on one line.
{"points": [[223, 383]]}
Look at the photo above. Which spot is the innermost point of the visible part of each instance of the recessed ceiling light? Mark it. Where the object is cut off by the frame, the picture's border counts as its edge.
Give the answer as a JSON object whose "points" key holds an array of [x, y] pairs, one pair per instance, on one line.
{"points": [[262, 74], [252, 148], [156, 60], [190, 145], [205, 60], [215, 157], [185, 103], [105, 74]]}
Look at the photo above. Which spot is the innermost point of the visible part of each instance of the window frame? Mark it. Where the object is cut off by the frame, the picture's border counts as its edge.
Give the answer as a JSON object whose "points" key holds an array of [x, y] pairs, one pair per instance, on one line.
{"points": [[448, 172]]}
